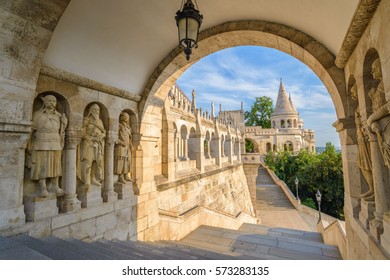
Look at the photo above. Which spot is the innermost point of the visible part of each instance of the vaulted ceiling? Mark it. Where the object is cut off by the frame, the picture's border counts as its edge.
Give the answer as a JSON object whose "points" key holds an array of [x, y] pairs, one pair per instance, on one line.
{"points": [[121, 42]]}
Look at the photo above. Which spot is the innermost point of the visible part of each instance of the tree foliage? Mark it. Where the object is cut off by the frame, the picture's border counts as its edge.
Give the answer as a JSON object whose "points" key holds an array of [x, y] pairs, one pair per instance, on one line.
{"points": [[249, 146], [314, 171], [260, 112]]}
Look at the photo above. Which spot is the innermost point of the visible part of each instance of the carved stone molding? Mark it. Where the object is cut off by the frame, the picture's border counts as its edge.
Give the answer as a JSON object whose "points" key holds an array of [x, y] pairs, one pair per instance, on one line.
{"points": [[87, 83], [362, 17]]}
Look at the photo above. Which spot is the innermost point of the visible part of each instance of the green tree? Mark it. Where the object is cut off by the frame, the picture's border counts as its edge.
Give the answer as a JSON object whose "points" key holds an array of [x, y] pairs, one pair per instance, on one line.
{"points": [[314, 171], [260, 112], [249, 146]]}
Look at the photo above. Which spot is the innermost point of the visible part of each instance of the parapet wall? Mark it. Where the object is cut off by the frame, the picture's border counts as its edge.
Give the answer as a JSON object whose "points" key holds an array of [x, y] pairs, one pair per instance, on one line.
{"points": [[216, 198]]}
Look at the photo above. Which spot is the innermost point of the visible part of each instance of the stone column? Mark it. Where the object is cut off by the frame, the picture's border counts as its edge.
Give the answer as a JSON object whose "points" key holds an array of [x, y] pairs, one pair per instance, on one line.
{"points": [[70, 202], [176, 147], [185, 148], [109, 195], [208, 153], [222, 144], [199, 152], [238, 150], [169, 153], [216, 143], [347, 133], [230, 150], [380, 181]]}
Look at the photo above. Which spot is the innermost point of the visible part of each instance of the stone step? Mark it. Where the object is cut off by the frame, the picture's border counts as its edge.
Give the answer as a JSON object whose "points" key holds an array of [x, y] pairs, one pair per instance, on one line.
{"points": [[82, 248], [197, 252], [129, 248], [13, 250], [263, 244], [51, 251], [250, 241]]}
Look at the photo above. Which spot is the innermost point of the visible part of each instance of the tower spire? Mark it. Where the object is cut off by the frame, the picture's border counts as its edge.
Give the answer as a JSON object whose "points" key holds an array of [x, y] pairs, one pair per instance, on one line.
{"points": [[292, 103], [283, 105]]}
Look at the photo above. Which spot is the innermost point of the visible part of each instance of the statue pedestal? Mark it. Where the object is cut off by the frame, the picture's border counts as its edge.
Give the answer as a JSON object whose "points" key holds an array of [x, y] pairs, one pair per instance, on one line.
{"points": [[37, 207], [123, 190], [367, 212], [109, 196], [385, 237], [376, 228], [92, 197]]}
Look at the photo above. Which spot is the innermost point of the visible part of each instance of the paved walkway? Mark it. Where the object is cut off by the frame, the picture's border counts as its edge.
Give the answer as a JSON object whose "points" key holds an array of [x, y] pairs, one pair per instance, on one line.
{"points": [[274, 209]]}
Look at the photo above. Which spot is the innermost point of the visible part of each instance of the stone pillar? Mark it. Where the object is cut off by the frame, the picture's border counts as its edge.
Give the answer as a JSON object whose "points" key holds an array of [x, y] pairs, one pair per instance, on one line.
{"points": [[169, 153], [230, 150], [222, 144], [12, 160], [185, 148], [148, 228], [109, 195], [238, 150], [216, 148], [70, 202], [348, 139], [208, 153], [199, 152], [176, 147], [380, 177]]}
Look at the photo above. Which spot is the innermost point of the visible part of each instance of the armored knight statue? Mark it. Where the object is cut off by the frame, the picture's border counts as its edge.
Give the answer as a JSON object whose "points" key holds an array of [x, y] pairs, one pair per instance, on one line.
{"points": [[47, 142], [91, 167], [123, 150]]}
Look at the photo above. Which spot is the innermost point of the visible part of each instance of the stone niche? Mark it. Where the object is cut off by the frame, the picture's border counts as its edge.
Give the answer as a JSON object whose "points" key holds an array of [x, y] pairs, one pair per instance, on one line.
{"points": [[64, 203]]}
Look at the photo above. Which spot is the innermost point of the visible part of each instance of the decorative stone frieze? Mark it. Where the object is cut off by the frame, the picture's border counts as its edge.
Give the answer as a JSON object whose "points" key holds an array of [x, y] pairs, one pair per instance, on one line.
{"points": [[359, 23]]}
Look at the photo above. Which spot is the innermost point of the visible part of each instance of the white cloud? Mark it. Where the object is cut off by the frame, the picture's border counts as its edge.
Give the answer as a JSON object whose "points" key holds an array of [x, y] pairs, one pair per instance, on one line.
{"points": [[240, 74]]}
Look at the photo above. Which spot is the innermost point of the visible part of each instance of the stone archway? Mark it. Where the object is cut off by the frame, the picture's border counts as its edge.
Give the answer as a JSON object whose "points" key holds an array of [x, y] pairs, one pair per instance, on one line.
{"points": [[256, 33]]}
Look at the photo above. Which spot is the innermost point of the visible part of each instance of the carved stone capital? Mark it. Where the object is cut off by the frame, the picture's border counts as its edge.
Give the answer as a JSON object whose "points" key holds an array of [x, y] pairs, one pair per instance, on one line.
{"points": [[111, 138], [72, 139], [345, 123]]}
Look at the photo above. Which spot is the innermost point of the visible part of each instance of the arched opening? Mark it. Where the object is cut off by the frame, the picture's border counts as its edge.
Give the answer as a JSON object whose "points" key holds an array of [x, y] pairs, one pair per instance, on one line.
{"points": [[251, 146], [183, 146], [192, 144]]}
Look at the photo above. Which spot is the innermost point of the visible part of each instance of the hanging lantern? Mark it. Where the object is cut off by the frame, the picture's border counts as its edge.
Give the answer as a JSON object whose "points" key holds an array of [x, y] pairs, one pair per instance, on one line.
{"points": [[188, 22]]}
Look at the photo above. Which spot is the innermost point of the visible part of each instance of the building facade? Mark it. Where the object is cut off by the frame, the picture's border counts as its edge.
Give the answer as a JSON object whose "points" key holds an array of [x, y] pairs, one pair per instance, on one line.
{"points": [[287, 132]]}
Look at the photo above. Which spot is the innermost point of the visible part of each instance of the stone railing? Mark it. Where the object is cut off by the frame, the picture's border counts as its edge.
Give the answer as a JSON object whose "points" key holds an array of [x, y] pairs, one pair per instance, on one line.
{"points": [[334, 234], [332, 229]]}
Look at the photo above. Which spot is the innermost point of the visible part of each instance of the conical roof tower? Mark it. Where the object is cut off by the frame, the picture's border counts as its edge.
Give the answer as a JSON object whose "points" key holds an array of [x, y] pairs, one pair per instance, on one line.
{"points": [[283, 104], [292, 103]]}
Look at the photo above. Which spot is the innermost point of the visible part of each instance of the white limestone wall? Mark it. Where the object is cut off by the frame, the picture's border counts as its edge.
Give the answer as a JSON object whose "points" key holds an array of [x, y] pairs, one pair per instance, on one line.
{"points": [[218, 198]]}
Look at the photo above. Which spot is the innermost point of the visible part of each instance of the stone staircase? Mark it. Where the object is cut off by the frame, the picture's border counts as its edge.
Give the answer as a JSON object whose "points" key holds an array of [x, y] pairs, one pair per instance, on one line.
{"points": [[273, 208], [249, 242], [269, 195]]}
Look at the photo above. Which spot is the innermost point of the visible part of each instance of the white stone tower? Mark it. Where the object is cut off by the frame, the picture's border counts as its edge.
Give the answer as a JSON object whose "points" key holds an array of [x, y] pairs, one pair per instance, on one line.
{"points": [[285, 116]]}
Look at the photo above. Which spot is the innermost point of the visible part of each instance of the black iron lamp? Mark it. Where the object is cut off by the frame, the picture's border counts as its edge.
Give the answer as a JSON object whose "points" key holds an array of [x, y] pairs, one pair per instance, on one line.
{"points": [[318, 197], [188, 21]]}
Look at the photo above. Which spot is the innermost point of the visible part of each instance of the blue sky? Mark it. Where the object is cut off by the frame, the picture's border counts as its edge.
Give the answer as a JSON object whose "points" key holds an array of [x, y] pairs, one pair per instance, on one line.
{"points": [[240, 74]]}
